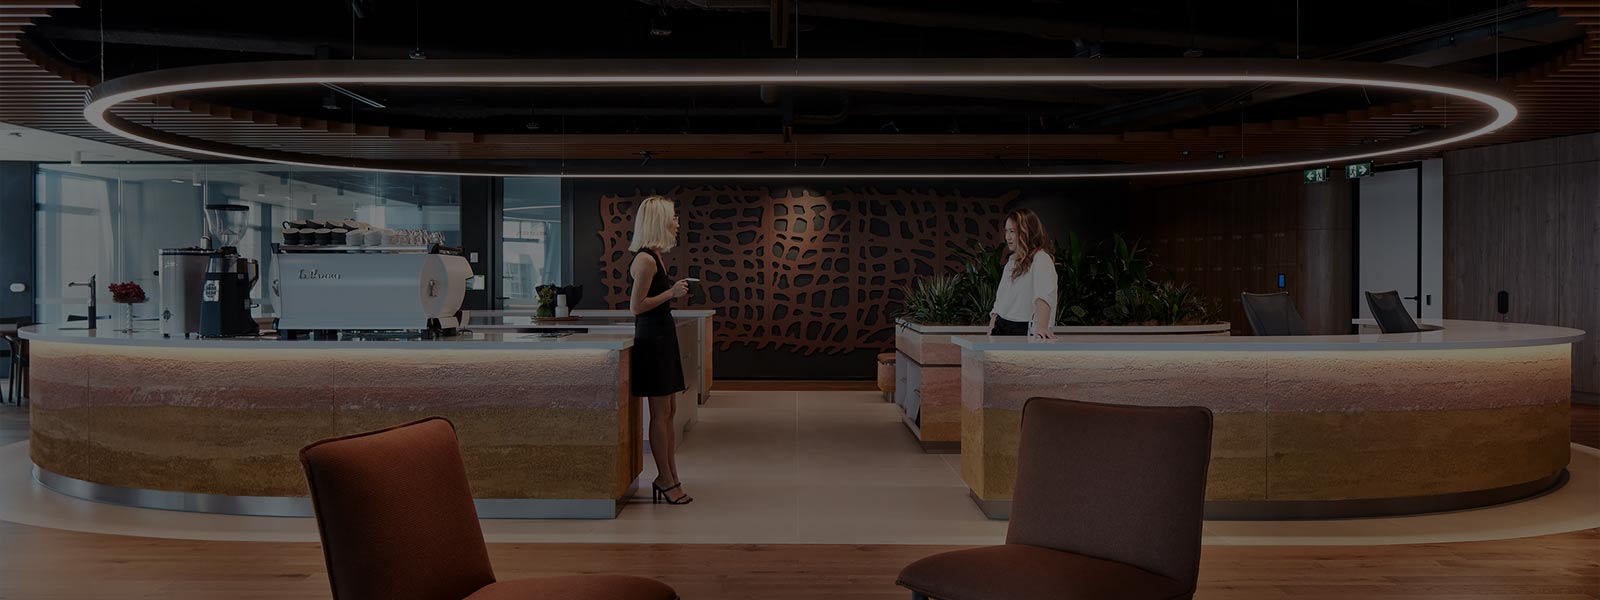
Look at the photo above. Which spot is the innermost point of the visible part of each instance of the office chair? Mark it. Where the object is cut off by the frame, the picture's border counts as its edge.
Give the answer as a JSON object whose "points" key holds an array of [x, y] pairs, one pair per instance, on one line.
{"points": [[1390, 313], [1273, 314]]}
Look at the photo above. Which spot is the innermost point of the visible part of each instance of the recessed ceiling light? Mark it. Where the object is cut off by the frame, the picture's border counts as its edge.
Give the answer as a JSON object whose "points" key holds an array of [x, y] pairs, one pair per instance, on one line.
{"points": [[178, 181], [909, 72]]}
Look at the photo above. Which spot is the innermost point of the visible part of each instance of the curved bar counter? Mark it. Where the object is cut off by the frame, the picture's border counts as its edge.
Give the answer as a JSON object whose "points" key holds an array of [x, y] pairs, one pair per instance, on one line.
{"points": [[1469, 414], [546, 425]]}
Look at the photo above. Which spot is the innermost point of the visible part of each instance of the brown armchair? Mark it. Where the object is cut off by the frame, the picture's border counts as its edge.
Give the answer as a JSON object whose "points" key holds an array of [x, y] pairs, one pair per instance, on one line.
{"points": [[1108, 504], [397, 521]]}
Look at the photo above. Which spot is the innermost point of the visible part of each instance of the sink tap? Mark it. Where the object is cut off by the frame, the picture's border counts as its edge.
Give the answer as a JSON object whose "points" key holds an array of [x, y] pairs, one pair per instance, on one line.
{"points": [[91, 285]]}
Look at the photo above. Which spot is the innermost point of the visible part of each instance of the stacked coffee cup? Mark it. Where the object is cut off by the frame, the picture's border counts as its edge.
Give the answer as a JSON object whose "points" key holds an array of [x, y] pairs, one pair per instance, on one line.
{"points": [[312, 232]]}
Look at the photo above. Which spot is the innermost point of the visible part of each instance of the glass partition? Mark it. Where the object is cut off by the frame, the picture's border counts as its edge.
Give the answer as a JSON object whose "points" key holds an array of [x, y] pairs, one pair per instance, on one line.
{"points": [[113, 220], [530, 240]]}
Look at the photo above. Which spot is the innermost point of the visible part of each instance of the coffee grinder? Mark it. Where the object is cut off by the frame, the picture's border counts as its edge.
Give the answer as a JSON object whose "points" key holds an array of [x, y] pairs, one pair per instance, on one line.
{"points": [[225, 296]]}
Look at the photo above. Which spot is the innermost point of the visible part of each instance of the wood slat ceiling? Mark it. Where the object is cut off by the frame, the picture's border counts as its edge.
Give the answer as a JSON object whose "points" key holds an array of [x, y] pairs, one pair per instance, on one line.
{"points": [[1560, 97]]}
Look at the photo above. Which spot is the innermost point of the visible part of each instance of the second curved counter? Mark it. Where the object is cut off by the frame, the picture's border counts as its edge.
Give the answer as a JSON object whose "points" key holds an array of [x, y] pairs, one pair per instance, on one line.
{"points": [[1471, 414]]}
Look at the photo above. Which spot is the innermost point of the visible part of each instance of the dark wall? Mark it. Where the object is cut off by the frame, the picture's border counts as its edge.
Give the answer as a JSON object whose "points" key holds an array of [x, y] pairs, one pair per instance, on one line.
{"points": [[16, 237], [1525, 218], [1231, 236], [813, 270]]}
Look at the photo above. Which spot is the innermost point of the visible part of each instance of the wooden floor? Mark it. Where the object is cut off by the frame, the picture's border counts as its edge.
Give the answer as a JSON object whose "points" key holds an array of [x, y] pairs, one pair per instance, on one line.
{"points": [[47, 564], [783, 385]]}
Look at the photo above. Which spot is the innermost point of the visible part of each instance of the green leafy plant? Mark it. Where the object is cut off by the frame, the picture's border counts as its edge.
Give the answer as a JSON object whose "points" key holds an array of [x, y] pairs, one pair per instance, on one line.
{"points": [[936, 301], [1074, 274], [547, 300], [1174, 303], [981, 270], [1108, 284]]}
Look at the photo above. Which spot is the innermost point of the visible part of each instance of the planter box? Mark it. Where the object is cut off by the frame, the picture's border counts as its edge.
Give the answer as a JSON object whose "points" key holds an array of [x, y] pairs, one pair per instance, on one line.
{"points": [[928, 373]]}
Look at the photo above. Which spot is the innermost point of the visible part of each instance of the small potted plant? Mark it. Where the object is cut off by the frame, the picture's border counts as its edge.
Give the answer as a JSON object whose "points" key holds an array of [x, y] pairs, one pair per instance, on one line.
{"points": [[547, 301], [128, 294]]}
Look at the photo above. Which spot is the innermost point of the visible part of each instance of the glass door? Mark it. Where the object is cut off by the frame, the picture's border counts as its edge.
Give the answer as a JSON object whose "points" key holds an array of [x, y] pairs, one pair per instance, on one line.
{"points": [[530, 241]]}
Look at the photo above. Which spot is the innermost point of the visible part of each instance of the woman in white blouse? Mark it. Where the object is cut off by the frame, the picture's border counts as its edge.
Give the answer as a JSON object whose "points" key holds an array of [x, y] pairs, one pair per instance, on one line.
{"points": [[1025, 303]]}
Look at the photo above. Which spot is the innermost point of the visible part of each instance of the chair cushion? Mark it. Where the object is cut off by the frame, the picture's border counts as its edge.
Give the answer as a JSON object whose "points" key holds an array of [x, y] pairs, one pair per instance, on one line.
{"points": [[577, 587], [1018, 572]]}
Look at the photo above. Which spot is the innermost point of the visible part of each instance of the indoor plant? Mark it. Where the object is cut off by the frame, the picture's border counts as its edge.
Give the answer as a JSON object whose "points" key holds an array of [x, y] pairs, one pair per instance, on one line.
{"points": [[1106, 285]]}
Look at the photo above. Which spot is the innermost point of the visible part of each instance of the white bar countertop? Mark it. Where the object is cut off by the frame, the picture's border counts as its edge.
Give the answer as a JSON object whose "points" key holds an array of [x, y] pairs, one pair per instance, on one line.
{"points": [[620, 313], [1071, 329], [1450, 335], [593, 321], [623, 313], [502, 323], [108, 335]]}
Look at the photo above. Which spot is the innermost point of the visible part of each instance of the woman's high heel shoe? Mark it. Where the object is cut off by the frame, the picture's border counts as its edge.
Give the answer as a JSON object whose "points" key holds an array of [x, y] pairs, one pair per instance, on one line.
{"points": [[659, 495]]}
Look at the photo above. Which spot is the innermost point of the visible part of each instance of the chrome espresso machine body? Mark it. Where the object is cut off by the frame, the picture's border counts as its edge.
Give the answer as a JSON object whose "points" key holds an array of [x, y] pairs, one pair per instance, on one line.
{"points": [[205, 290], [336, 289]]}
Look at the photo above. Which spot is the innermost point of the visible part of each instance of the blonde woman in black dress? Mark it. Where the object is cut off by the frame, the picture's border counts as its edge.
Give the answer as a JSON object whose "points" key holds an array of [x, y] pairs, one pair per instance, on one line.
{"points": [[657, 370]]}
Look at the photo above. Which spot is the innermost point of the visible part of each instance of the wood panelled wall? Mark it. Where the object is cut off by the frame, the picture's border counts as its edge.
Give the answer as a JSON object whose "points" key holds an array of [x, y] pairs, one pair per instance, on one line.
{"points": [[805, 278], [1525, 218], [1236, 235], [804, 270]]}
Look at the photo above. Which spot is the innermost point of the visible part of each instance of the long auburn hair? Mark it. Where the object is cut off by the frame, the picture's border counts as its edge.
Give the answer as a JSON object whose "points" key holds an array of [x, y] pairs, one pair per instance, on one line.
{"points": [[1030, 235]]}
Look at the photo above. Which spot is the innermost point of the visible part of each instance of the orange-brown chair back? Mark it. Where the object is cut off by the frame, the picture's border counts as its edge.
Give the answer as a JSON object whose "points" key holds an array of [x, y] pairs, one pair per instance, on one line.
{"points": [[396, 516], [1122, 483]]}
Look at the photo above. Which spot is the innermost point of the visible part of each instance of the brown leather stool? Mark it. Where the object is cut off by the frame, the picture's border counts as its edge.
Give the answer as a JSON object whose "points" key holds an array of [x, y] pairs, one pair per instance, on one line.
{"points": [[395, 513], [1108, 504]]}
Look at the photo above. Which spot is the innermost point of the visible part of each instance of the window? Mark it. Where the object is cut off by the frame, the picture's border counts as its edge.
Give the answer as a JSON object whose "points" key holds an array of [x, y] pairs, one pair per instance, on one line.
{"points": [[113, 220], [530, 240]]}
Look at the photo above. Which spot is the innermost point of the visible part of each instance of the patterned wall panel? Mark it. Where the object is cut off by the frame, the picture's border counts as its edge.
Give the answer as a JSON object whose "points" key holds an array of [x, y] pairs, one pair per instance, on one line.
{"points": [[800, 269]]}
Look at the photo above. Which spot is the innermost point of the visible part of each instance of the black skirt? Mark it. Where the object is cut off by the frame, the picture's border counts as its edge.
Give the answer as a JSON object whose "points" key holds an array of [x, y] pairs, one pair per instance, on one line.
{"points": [[1004, 327], [656, 369]]}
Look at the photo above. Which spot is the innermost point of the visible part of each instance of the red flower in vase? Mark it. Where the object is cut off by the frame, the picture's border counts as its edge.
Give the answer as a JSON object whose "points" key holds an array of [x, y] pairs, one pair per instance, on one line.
{"points": [[127, 293]]}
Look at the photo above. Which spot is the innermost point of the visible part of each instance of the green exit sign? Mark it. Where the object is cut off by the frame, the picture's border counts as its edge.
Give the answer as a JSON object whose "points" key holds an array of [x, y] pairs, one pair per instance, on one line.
{"points": [[1358, 170], [1319, 175]]}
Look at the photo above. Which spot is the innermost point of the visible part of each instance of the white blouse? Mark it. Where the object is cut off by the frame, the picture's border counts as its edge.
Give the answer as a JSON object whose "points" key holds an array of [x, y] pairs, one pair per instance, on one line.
{"points": [[1013, 301]]}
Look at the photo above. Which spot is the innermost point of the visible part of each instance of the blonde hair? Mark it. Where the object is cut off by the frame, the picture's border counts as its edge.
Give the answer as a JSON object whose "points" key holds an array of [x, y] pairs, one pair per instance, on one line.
{"points": [[652, 225]]}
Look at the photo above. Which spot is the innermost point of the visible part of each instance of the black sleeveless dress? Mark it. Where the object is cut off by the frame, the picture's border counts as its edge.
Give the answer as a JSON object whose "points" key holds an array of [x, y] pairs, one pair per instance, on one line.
{"points": [[656, 368]]}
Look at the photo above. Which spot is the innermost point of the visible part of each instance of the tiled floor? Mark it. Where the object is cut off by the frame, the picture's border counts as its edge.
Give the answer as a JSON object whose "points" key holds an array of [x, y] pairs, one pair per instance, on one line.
{"points": [[833, 467]]}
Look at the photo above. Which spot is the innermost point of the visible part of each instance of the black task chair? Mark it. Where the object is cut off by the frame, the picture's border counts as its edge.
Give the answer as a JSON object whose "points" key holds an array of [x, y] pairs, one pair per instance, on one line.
{"points": [[17, 378], [1273, 314], [1390, 313]]}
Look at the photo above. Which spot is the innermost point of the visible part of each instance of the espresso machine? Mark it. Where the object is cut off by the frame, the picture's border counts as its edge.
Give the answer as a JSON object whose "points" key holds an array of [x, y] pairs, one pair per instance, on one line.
{"points": [[370, 290], [225, 294]]}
